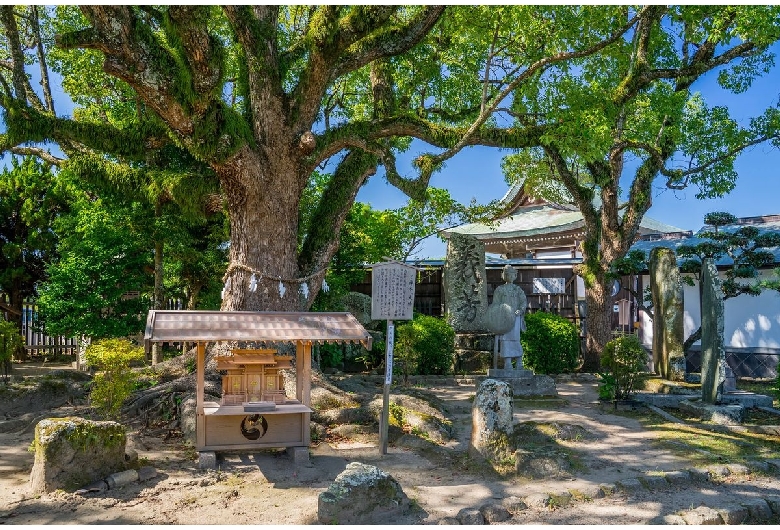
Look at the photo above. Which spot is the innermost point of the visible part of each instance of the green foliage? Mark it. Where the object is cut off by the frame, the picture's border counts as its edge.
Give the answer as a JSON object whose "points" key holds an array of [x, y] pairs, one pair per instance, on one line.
{"points": [[187, 81], [104, 254], [607, 387], [30, 200], [745, 245], [115, 381], [773, 282], [331, 355], [624, 358], [425, 345], [11, 342], [551, 343]]}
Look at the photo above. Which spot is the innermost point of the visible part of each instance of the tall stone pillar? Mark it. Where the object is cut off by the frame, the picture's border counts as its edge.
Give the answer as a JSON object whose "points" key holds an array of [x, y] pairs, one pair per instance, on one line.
{"points": [[713, 353], [465, 298], [667, 293], [465, 283]]}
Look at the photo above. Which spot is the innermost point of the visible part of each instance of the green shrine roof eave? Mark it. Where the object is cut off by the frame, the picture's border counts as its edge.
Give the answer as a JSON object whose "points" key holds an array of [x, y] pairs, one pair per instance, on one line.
{"points": [[534, 221]]}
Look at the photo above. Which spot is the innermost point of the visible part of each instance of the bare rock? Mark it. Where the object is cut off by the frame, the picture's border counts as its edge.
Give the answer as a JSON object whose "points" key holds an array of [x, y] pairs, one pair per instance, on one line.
{"points": [[733, 513], [188, 420], [494, 513], [146, 473], [470, 516], [515, 505], [758, 509], [538, 500], [362, 494], [71, 452], [541, 465], [702, 515]]}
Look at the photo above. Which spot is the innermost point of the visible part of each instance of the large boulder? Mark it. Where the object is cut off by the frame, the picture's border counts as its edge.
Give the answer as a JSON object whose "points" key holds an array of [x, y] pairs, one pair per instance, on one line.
{"points": [[491, 420], [362, 494], [72, 452]]}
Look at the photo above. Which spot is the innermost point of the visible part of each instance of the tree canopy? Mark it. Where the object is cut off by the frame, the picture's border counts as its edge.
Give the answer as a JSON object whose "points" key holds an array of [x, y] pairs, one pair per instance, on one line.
{"points": [[257, 98]]}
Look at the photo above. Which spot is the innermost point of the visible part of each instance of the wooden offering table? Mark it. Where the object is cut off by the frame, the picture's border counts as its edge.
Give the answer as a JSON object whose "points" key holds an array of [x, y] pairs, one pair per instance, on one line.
{"points": [[254, 411]]}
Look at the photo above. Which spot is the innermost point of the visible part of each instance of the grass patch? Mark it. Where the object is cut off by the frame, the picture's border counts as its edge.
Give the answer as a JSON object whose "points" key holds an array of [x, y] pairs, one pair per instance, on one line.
{"points": [[753, 417], [704, 447], [767, 387], [540, 403]]}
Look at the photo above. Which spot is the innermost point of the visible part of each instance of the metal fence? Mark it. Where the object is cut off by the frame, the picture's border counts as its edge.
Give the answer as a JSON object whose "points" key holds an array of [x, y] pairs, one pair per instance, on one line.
{"points": [[755, 363]]}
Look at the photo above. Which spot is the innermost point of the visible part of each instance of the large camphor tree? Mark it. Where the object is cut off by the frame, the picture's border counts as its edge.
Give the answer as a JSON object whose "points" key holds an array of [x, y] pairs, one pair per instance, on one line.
{"points": [[262, 96]]}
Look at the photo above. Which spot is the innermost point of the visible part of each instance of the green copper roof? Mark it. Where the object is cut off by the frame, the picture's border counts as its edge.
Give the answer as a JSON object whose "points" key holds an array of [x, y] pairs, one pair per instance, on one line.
{"points": [[529, 221]]}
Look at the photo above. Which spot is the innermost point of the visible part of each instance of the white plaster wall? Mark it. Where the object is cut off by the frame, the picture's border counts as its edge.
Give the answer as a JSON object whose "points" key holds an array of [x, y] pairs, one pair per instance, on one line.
{"points": [[580, 281], [750, 321], [551, 254]]}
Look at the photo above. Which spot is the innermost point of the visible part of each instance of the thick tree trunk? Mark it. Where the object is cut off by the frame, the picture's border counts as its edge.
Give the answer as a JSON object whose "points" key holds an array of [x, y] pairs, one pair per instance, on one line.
{"points": [[16, 301], [598, 323], [263, 192]]}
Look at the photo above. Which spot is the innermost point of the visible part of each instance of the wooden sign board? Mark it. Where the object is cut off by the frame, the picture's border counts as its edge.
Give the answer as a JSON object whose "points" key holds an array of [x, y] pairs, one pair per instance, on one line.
{"points": [[549, 285], [392, 291]]}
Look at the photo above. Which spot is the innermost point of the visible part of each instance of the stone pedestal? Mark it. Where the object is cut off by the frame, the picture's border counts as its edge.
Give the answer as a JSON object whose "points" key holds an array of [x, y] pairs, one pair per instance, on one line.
{"points": [[524, 382], [473, 352]]}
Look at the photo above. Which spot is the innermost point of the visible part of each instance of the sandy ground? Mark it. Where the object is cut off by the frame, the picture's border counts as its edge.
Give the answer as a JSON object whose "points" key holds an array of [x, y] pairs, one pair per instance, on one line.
{"points": [[267, 488]]}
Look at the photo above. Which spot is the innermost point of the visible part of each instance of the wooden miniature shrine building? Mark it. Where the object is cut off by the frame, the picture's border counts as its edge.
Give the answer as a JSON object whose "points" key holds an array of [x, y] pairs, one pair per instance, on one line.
{"points": [[254, 411]]}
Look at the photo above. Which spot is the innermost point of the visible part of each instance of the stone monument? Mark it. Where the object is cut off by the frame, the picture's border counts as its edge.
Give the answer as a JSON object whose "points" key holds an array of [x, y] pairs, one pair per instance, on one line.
{"points": [[72, 452], [465, 296], [506, 319], [713, 353], [667, 293], [491, 418]]}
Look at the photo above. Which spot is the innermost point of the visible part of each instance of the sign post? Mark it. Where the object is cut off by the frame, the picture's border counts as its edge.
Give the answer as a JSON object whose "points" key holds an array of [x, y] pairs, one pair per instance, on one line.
{"points": [[392, 298]]}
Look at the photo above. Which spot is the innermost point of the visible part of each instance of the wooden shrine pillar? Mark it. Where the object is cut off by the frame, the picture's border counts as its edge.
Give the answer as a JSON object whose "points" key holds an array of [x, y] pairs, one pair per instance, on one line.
{"points": [[200, 367], [303, 384]]}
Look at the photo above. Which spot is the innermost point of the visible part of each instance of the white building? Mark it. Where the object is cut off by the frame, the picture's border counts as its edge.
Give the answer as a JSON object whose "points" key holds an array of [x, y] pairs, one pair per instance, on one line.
{"points": [[752, 323]]}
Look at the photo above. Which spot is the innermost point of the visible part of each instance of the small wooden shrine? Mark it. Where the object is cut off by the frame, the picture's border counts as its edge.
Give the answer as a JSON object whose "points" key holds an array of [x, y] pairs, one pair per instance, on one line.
{"points": [[254, 411]]}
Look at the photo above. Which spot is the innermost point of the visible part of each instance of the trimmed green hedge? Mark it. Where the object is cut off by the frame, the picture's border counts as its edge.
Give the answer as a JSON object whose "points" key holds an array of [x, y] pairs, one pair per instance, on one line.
{"points": [[551, 344], [425, 345]]}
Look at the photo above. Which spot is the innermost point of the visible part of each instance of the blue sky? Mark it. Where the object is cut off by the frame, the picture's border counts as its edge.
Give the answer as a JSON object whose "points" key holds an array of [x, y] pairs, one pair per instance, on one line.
{"points": [[476, 172]]}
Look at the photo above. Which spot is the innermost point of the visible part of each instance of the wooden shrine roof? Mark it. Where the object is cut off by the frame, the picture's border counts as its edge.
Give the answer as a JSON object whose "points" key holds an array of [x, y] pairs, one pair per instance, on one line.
{"points": [[256, 326]]}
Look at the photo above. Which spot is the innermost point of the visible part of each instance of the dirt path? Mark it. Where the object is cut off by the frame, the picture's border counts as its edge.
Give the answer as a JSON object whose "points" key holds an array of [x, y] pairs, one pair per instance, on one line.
{"points": [[266, 488]]}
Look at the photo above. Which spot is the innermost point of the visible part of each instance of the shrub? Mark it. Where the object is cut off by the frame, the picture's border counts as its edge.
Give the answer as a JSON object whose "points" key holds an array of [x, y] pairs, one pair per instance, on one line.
{"points": [[331, 356], [551, 344], [623, 358], [10, 344], [115, 381], [426, 345]]}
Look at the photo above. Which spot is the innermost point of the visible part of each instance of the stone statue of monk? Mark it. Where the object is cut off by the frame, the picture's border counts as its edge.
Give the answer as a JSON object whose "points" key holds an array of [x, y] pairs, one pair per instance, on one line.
{"points": [[506, 317]]}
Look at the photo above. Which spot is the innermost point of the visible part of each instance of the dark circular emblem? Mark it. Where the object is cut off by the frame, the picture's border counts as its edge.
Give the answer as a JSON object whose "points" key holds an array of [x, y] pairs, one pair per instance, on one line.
{"points": [[253, 427]]}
